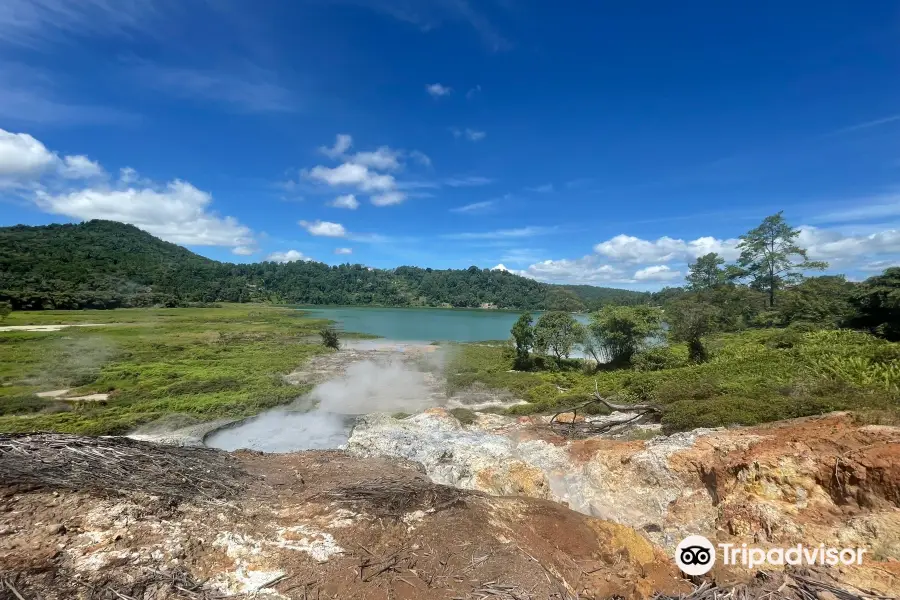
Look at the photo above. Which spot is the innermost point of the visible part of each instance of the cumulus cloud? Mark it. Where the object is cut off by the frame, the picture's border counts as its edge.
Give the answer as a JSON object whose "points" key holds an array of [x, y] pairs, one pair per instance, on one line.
{"points": [[656, 273], [383, 158], [826, 244], [500, 267], [177, 212], [286, 257], [78, 188], [388, 198], [21, 155], [345, 201], [352, 174], [343, 250], [341, 144], [324, 228], [243, 250], [630, 249], [437, 90], [80, 167], [587, 270]]}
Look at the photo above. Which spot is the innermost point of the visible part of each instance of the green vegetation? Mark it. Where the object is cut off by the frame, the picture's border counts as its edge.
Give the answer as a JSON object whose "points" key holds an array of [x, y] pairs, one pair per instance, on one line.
{"points": [[154, 363], [329, 337], [778, 347], [102, 264], [751, 377], [557, 332]]}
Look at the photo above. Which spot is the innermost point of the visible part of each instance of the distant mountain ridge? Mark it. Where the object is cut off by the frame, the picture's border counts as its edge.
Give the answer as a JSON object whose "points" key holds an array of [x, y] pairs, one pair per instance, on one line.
{"points": [[106, 264]]}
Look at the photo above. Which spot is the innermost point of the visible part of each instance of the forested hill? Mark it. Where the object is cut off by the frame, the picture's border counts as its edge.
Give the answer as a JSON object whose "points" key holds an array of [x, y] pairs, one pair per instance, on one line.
{"points": [[105, 264]]}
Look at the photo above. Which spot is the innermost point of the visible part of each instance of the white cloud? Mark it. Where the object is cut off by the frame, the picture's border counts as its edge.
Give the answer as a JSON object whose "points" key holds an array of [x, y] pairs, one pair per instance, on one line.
{"points": [[586, 270], [248, 90], [630, 249], [383, 158], [350, 174], [21, 155], [176, 212], [437, 90], [470, 134], [500, 233], [879, 207], [243, 250], [343, 251], [656, 273], [470, 181], [825, 244], [420, 157], [500, 267], [341, 144], [345, 201], [286, 257], [475, 207], [880, 265], [323, 228], [473, 92], [388, 198], [541, 189], [81, 167]]}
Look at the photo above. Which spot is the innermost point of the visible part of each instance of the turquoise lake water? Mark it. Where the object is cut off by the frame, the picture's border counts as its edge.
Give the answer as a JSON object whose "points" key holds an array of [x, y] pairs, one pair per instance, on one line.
{"points": [[423, 324]]}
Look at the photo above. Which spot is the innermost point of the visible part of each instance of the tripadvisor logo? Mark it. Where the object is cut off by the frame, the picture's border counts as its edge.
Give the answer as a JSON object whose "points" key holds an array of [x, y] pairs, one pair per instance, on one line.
{"points": [[696, 555]]}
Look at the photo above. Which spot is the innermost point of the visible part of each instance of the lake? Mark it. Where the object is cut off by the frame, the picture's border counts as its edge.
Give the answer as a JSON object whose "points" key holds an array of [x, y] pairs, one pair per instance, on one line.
{"points": [[424, 324]]}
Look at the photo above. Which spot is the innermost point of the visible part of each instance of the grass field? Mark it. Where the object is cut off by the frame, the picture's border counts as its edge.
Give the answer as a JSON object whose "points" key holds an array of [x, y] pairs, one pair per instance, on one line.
{"points": [[203, 363], [753, 377]]}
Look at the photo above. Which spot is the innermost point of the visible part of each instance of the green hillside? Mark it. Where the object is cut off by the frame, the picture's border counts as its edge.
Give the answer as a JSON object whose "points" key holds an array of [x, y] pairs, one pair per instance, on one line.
{"points": [[105, 264]]}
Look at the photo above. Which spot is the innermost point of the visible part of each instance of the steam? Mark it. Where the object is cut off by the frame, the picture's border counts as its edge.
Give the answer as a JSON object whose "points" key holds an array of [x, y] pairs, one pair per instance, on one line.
{"points": [[323, 418], [369, 387]]}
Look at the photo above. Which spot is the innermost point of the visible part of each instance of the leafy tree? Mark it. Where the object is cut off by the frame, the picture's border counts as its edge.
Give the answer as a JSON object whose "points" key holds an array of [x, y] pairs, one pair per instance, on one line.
{"points": [[330, 338], [523, 334], [5, 309], [558, 332], [563, 300], [706, 273], [877, 302], [768, 256], [690, 321], [825, 301], [616, 333]]}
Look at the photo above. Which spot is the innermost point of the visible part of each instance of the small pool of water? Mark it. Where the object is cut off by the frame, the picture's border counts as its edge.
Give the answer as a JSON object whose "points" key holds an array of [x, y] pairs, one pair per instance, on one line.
{"points": [[284, 430]]}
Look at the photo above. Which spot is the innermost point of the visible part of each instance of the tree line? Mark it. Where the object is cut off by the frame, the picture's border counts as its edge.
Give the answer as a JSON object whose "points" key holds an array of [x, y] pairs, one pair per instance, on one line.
{"points": [[104, 264], [767, 286]]}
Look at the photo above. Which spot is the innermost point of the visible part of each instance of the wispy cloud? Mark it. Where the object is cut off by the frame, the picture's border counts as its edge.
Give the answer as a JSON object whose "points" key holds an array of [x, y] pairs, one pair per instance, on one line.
{"points": [[475, 207], [436, 90], [470, 181], [885, 206], [473, 135], [33, 23], [473, 92], [30, 95], [430, 15], [248, 88], [521, 232], [866, 125], [541, 189]]}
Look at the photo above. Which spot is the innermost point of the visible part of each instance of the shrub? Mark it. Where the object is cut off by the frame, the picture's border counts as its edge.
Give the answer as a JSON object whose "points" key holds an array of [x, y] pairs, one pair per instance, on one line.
{"points": [[616, 333], [464, 415], [659, 358], [330, 338]]}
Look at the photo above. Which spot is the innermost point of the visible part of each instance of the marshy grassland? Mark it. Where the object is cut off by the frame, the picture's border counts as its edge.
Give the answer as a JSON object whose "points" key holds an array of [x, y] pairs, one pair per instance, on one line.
{"points": [[751, 377], [197, 363]]}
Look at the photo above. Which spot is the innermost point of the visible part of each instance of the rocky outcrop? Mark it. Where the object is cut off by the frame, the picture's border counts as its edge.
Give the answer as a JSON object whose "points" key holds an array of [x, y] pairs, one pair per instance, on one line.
{"points": [[818, 480], [311, 525]]}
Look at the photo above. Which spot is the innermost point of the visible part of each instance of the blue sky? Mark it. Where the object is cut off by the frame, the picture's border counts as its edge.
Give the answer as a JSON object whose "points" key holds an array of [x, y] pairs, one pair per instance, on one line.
{"points": [[584, 142]]}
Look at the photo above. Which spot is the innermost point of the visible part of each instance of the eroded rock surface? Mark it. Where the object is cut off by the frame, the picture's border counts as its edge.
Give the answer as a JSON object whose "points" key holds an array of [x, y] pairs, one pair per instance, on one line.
{"points": [[811, 481], [319, 525]]}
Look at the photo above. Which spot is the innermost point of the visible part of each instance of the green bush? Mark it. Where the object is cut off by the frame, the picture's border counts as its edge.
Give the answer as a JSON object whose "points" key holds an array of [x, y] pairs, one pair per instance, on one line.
{"points": [[660, 357], [464, 415]]}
